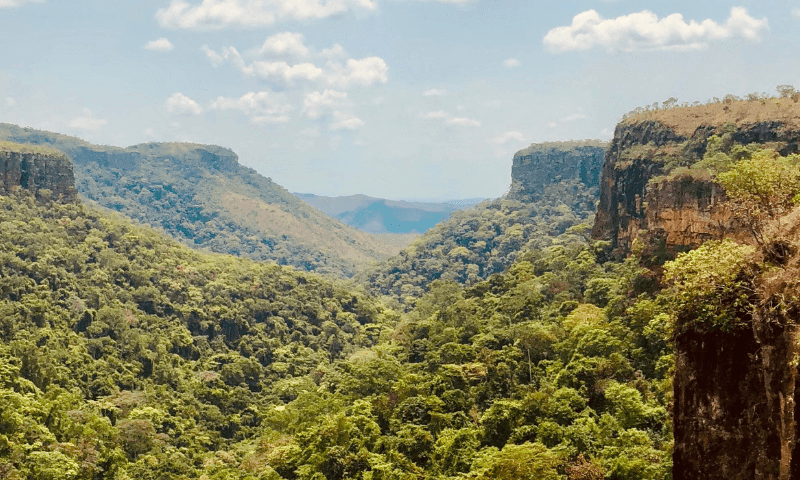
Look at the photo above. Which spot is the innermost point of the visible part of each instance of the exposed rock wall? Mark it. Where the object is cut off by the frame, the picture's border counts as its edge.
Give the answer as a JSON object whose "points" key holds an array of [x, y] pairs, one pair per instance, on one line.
{"points": [[734, 416], [37, 172], [681, 211], [546, 163]]}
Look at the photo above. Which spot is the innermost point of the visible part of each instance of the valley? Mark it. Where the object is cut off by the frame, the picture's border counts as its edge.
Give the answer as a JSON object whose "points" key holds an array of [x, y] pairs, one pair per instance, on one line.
{"points": [[626, 311]]}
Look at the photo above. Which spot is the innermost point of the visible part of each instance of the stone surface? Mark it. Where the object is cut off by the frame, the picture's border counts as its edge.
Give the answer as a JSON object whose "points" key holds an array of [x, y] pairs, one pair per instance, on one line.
{"points": [[546, 163], [681, 211], [37, 172]]}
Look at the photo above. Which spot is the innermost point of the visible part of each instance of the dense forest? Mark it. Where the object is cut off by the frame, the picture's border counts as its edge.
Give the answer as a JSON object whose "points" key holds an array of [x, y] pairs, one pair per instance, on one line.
{"points": [[202, 196], [473, 244], [520, 348]]}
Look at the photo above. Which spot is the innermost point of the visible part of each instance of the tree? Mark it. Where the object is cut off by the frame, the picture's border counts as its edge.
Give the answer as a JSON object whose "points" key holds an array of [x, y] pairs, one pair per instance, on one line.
{"points": [[761, 189]]}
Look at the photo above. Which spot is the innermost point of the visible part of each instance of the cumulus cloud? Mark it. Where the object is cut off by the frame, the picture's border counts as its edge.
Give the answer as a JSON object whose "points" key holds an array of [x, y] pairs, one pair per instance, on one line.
{"points": [[215, 58], [451, 120], [316, 104], [284, 44], [364, 72], [16, 3], [434, 92], [645, 31], [219, 14], [511, 63], [345, 121], [796, 12], [87, 122], [10, 102], [261, 107], [574, 117], [512, 136], [282, 73], [180, 104], [160, 45]]}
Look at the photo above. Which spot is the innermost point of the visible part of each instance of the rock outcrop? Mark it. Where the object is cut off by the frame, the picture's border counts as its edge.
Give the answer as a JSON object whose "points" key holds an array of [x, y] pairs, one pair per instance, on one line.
{"points": [[44, 172], [676, 211], [546, 163]]}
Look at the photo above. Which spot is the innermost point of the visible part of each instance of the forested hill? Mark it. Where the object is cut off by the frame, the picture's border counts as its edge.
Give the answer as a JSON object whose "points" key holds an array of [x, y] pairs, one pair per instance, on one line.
{"points": [[201, 195], [476, 243], [125, 355]]}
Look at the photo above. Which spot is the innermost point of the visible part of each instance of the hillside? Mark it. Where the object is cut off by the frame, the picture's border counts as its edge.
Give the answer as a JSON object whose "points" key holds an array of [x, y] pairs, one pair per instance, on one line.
{"points": [[378, 215], [548, 196], [202, 196], [127, 355]]}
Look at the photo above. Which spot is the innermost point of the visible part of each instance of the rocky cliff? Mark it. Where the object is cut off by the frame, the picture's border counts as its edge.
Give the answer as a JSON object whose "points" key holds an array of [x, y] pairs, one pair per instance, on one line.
{"points": [[734, 412], [546, 163], [646, 190], [44, 172]]}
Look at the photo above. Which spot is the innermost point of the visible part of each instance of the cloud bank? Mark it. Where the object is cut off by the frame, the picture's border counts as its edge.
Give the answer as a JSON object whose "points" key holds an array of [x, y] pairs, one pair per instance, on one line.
{"points": [[645, 31], [219, 14]]}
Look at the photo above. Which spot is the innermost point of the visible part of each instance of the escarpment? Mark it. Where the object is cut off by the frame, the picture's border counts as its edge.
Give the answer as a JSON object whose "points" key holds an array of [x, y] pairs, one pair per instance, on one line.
{"points": [[649, 191], [546, 163], [43, 172]]}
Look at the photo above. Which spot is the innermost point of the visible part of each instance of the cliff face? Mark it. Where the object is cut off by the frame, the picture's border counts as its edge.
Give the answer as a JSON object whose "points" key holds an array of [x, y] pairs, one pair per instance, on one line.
{"points": [[37, 171], [546, 163], [734, 415], [677, 211]]}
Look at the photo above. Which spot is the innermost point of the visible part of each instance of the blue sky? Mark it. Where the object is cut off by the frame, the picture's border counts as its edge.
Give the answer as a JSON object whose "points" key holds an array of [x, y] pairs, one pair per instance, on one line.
{"points": [[401, 99]]}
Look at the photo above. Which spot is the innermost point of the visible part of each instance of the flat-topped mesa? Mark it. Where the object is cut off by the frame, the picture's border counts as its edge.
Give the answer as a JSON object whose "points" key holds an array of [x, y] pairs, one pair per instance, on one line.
{"points": [[645, 194], [45, 172], [542, 164]]}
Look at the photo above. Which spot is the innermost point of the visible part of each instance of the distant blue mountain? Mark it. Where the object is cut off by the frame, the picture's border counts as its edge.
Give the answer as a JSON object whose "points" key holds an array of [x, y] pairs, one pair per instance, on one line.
{"points": [[378, 215]]}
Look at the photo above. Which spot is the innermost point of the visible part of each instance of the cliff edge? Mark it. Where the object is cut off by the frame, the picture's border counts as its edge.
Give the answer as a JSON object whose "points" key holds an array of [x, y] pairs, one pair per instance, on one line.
{"points": [[647, 190], [42, 171]]}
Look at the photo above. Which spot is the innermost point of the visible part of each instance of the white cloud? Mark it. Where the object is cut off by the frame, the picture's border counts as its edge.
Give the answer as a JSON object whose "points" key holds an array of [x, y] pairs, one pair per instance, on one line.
{"points": [[87, 122], [436, 115], [160, 45], [10, 102], [17, 3], [180, 104], [462, 122], [284, 44], [345, 121], [261, 107], [336, 51], [149, 132], [512, 136], [451, 120], [511, 63], [219, 14], [645, 31], [364, 72], [316, 104], [796, 12], [282, 73], [215, 58], [434, 92]]}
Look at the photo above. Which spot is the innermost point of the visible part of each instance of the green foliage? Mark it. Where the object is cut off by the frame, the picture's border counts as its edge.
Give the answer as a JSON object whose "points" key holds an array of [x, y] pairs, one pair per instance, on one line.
{"points": [[476, 243], [202, 196], [762, 188], [708, 290]]}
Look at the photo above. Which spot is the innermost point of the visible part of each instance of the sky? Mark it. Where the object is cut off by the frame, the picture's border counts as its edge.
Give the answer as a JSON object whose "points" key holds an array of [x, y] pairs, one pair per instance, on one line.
{"points": [[400, 99]]}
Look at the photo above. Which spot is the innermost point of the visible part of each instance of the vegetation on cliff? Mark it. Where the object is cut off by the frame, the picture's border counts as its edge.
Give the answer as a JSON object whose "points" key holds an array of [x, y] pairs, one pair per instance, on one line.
{"points": [[202, 196]]}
